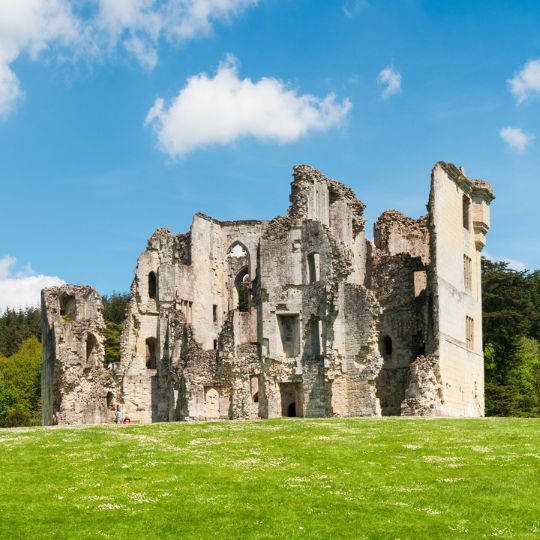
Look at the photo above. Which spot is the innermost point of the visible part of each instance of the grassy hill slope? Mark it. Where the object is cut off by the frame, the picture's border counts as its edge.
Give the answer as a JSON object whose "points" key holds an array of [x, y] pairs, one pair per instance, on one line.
{"points": [[289, 478]]}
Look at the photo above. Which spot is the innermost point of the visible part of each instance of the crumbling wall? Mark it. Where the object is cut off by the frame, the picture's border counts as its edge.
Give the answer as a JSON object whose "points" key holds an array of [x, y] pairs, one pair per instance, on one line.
{"points": [[423, 396], [77, 388], [398, 274], [353, 360]]}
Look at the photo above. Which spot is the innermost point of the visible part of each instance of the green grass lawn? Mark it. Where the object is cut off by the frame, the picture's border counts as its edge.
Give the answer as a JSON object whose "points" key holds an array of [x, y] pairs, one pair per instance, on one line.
{"points": [[288, 478]]}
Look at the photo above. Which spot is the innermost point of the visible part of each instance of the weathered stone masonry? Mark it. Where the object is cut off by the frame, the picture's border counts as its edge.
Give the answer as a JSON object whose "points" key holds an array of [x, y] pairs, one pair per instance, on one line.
{"points": [[298, 316]]}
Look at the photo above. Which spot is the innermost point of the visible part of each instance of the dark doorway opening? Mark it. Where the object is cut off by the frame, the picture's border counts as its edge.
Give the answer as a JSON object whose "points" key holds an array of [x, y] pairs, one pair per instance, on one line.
{"points": [[291, 409], [291, 399]]}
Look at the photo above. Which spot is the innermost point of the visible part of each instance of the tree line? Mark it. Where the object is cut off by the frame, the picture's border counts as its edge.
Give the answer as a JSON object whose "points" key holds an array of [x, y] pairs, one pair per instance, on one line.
{"points": [[511, 333]]}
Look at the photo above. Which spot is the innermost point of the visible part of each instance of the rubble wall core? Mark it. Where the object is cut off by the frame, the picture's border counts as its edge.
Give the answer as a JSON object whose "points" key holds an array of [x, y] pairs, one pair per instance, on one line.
{"points": [[298, 316]]}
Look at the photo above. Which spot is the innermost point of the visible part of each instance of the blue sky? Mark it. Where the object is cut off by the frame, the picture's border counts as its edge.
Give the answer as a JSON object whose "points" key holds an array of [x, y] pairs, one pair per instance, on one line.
{"points": [[118, 117]]}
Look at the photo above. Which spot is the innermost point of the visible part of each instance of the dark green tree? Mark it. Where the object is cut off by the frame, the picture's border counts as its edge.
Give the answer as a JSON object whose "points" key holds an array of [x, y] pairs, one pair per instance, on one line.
{"points": [[16, 326], [511, 320], [20, 386]]}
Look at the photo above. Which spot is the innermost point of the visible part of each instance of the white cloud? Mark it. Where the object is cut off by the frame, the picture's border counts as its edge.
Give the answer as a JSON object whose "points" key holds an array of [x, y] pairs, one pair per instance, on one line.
{"points": [[224, 108], [516, 138], [526, 83], [22, 289], [351, 8], [96, 27], [30, 26], [390, 80]]}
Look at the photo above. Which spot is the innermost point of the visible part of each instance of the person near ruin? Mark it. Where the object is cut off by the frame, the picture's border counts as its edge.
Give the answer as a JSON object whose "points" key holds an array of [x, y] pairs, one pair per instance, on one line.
{"points": [[118, 415], [127, 420]]}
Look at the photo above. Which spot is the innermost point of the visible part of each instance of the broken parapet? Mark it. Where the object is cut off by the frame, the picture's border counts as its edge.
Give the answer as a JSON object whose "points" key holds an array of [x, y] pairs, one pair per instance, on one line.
{"points": [[395, 233], [76, 386]]}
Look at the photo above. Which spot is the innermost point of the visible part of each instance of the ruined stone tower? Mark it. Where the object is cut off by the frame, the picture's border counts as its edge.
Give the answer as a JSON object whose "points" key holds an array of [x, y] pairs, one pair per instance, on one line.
{"points": [[298, 316]]}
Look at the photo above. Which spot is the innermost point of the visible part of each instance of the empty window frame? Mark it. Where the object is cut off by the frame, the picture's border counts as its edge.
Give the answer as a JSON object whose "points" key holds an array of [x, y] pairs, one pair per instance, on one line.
{"points": [[419, 282], [467, 272], [466, 211], [254, 388], [68, 307], [289, 331], [315, 338], [151, 353], [469, 332], [241, 283], [215, 313], [313, 261], [387, 346], [152, 285], [91, 346]]}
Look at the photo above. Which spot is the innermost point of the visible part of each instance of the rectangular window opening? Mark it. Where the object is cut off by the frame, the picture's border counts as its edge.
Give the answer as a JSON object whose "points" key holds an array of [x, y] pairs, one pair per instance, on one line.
{"points": [[289, 331], [466, 211], [314, 267], [316, 338], [469, 329], [467, 272]]}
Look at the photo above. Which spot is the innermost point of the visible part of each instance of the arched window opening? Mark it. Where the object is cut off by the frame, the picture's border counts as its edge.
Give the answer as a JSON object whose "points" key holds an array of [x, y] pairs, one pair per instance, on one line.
{"points": [[68, 307], [237, 250], [151, 353], [242, 288], [387, 346], [152, 285], [91, 346], [110, 399], [466, 211], [313, 267]]}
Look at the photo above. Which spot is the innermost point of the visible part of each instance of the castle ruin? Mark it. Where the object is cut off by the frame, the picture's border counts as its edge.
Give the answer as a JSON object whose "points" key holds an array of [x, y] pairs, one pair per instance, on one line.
{"points": [[297, 316]]}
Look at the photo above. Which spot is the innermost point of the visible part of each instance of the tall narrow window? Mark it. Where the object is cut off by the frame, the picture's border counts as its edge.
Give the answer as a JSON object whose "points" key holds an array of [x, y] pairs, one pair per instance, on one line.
{"points": [[469, 330], [214, 313], [254, 387], [316, 338], [466, 211], [152, 285], [151, 353], [241, 283], [91, 344], [467, 272], [387, 346], [313, 267]]}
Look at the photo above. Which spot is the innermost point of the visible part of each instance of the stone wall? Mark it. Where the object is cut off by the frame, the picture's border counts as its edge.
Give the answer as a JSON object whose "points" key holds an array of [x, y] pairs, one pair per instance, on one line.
{"points": [[76, 387]]}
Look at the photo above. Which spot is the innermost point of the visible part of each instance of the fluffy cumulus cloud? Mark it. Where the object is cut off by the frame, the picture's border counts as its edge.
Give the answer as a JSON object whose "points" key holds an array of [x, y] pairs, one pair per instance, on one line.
{"points": [[225, 108], [390, 80], [516, 138], [32, 27], [526, 83], [21, 289], [97, 27]]}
